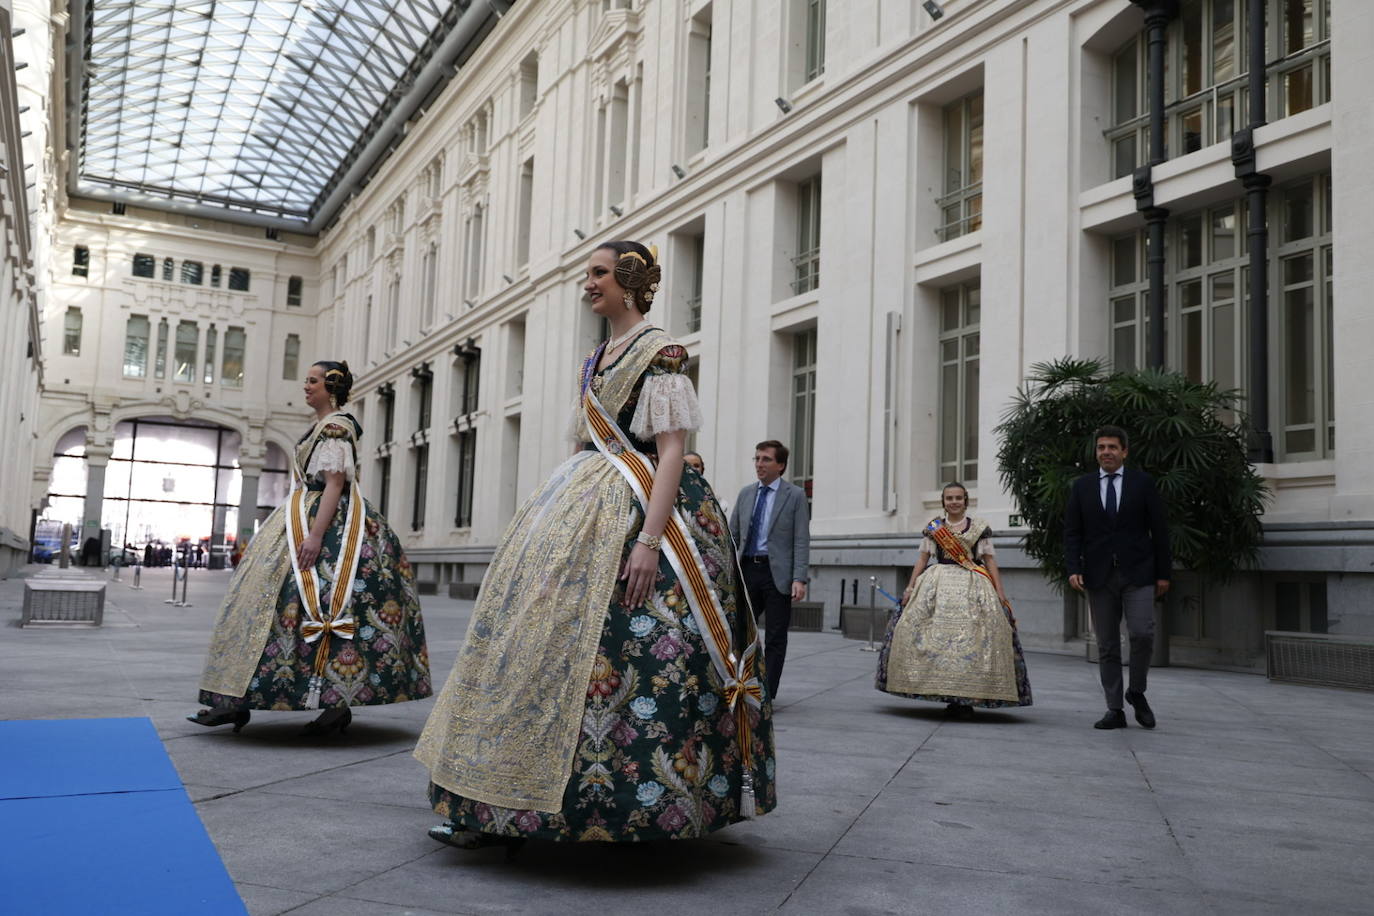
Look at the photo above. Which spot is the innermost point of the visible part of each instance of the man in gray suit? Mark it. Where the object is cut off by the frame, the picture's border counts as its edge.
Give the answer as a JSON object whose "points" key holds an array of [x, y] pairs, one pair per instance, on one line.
{"points": [[774, 543]]}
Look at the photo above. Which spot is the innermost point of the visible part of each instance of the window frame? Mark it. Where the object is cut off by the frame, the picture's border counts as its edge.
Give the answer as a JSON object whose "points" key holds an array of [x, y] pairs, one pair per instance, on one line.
{"points": [[966, 404]]}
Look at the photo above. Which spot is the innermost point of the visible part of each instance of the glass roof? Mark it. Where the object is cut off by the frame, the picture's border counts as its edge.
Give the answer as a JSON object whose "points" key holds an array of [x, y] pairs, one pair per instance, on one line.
{"points": [[256, 106]]}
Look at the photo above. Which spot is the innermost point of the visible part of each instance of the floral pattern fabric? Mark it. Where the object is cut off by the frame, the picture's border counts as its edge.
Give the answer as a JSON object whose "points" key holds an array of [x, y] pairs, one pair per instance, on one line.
{"points": [[658, 755], [387, 660]]}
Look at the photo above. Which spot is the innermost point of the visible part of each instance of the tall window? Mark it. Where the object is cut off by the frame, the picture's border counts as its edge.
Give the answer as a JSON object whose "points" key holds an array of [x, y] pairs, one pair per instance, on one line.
{"points": [[192, 272], [367, 328], [294, 285], [231, 375], [467, 461], [807, 264], [815, 39], [1206, 72], [698, 283], [136, 347], [188, 337], [801, 464], [393, 311], [160, 357], [960, 308], [1207, 272], [617, 143], [291, 358], [384, 484], [961, 205], [216, 276], [211, 340], [473, 287], [168, 269], [699, 82], [371, 243], [1305, 323], [238, 279], [417, 507], [388, 413], [526, 205], [81, 261], [71, 332], [145, 265], [424, 384], [529, 84], [472, 370], [429, 275]]}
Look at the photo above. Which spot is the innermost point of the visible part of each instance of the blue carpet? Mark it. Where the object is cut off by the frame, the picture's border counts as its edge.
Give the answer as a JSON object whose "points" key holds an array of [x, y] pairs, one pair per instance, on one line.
{"points": [[96, 821]]}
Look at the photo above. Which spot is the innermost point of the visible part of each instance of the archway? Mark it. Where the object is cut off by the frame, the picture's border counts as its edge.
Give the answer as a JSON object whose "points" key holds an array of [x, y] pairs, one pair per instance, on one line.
{"points": [[168, 484]]}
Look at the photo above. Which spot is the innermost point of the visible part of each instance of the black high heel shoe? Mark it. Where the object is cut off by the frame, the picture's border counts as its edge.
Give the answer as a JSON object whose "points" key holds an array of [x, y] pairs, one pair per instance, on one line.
{"points": [[327, 722], [462, 838], [222, 716]]}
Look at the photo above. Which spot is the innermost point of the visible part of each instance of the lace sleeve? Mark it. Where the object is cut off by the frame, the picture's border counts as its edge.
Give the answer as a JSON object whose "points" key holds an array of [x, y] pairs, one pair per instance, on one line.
{"points": [[985, 549], [332, 455], [576, 430], [667, 403], [927, 546]]}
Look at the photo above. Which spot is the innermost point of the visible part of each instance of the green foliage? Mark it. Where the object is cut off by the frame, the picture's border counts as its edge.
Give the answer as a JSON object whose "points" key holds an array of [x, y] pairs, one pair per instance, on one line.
{"points": [[1179, 435]]}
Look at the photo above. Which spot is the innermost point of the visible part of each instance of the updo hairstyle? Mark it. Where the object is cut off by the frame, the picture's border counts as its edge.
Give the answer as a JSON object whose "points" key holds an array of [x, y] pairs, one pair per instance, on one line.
{"points": [[637, 270], [338, 380]]}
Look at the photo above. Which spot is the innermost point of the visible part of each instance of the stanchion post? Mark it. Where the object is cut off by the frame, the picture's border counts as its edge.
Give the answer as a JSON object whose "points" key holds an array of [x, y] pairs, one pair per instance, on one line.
{"points": [[138, 578], [872, 613], [185, 584], [173, 600]]}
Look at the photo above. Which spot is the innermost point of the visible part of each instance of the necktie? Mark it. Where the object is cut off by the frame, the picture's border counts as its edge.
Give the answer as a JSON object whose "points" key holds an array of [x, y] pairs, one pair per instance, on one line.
{"points": [[1111, 496], [756, 520]]}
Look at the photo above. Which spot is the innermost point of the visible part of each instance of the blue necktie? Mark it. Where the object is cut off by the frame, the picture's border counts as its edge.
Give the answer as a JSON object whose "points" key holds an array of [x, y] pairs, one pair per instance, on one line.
{"points": [[1111, 496], [756, 520]]}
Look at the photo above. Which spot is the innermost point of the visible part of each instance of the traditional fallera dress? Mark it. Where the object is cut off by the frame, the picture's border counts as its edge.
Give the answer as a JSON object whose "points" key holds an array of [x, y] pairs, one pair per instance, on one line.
{"points": [[953, 641], [571, 716], [290, 638]]}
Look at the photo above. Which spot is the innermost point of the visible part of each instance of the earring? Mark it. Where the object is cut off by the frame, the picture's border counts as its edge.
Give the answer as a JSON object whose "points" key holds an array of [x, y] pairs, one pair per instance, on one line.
{"points": [[629, 301], [333, 402]]}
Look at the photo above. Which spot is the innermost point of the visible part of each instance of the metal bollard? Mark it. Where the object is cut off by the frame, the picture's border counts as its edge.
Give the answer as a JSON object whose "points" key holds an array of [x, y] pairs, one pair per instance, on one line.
{"points": [[138, 578], [173, 600], [115, 566], [872, 613], [185, 584]]}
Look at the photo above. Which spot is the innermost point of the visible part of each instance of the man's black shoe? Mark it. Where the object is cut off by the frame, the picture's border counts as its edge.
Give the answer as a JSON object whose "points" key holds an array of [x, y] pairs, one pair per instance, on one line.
{"points": [[1114, 718], [1143, 714]]}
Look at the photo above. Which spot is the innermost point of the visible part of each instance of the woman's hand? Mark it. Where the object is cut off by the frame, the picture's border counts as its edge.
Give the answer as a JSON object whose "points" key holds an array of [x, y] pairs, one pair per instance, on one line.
{"points": [[639, 573], [309, 551]]}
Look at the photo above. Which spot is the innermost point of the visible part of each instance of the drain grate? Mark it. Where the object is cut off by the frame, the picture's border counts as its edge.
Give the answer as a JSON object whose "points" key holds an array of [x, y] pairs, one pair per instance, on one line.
{"points": [[1320, 659]]}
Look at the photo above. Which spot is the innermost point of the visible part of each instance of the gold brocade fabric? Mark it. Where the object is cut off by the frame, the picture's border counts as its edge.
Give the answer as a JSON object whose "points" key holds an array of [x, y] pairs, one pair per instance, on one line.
{"points": [[245, 617], [505, 728], [954, 639]]}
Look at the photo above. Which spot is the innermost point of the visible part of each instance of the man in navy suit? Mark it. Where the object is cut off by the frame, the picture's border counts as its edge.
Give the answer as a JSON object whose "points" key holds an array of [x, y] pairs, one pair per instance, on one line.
{"points": [[772, 531], [1116, 547]]}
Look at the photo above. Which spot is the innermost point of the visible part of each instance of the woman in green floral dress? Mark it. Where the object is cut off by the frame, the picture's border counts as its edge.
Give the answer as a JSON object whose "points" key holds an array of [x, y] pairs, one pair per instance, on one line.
{"points": [[609, 688], [287, 637]]}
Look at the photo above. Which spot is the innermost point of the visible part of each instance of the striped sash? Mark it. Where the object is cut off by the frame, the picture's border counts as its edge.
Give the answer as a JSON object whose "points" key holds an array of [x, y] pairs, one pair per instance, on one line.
{"points": [[738, 673], [321, 620]]}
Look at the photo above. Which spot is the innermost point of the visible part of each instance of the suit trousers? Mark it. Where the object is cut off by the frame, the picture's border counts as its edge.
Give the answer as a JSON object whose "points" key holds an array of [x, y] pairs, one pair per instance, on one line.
{"points": [[776, 609], [1108, 605]]}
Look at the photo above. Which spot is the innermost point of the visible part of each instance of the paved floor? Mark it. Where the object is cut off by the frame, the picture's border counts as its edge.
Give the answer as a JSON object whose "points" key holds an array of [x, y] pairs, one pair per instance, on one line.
{"points": [[1250, 798]]}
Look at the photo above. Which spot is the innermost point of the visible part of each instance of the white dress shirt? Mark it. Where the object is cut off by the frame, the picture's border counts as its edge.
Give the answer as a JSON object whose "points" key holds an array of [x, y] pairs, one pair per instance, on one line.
{"points": [[760, 538], [1104, 482]]}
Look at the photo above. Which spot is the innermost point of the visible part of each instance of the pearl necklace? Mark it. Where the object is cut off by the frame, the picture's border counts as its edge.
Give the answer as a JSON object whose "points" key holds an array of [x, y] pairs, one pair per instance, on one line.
{"points": [[617, 341]]}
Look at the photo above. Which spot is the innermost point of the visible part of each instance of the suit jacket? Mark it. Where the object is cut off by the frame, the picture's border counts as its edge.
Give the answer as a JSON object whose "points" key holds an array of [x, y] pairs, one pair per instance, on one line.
{"points": [[1138, 540], [789, 532]]}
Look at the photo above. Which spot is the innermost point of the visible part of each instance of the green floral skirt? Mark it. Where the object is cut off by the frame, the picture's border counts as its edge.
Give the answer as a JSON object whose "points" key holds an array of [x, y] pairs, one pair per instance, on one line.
{"points": [[658, 756], [386, 661]]}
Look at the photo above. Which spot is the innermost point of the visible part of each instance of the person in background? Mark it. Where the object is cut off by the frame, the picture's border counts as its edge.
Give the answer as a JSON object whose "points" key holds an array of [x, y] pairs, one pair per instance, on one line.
{"points": [[772, 531]]}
